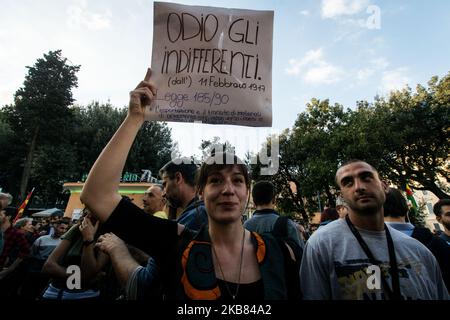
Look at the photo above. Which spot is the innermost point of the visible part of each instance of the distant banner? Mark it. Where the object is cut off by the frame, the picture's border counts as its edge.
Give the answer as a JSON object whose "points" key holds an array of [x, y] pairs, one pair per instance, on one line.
{"points": [[212, 65]]}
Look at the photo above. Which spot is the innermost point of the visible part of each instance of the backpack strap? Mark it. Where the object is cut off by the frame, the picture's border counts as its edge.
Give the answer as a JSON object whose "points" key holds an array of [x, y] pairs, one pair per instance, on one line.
{"points": [[280, 227], [292, 254]]}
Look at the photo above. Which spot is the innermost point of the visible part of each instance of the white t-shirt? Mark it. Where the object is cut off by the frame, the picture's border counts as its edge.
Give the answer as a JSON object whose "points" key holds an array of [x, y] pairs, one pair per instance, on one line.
{"points": [[334, 266]]}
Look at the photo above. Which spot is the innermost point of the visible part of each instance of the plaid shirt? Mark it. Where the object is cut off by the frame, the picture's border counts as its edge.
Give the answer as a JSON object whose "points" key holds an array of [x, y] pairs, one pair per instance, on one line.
{"points": [[15, 246]]}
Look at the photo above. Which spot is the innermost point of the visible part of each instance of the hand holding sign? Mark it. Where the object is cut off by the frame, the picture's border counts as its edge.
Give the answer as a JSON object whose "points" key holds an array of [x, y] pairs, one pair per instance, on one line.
{"points": [[212, 65], [142, 97]]}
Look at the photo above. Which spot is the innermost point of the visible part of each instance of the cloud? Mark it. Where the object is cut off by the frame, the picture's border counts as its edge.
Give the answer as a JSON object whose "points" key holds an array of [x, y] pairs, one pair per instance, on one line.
{"points": [[314, 69], [364, 74], [336, 8], [395, 79], [325, 74], [375, 65], [81, 17], [353, 17], [311, 57], [390, 79], [5, 96], [380, 63], [304, 13]]}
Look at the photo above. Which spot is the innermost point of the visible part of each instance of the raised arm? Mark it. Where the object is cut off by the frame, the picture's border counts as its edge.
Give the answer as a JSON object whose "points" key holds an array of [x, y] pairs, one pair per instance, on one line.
{"points": [[100, 192]]}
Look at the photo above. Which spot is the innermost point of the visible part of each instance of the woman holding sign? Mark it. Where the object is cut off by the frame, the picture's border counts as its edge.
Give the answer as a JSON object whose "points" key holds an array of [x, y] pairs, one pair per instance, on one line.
{"points": [[221, 261]]}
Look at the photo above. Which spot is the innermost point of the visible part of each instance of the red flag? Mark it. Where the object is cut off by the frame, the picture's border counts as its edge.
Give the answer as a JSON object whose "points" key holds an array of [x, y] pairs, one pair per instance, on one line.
{"points": [[23, 206]]}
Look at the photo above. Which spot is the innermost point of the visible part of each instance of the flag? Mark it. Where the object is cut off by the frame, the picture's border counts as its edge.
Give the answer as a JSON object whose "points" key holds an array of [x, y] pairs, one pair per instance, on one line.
{"points": [[410, 196], [23, 206]]}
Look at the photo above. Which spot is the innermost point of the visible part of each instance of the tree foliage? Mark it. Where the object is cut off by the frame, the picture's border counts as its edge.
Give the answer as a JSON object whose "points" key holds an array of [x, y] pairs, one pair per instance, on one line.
{"points": [[67, 138], [406, 136], [41, 115], [210, 147], [416, 132]]}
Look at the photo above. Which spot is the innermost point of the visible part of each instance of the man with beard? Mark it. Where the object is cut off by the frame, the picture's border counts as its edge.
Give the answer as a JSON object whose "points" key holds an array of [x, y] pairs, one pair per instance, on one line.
{"points": [[178, 177], [359, 257], [442, 211]]}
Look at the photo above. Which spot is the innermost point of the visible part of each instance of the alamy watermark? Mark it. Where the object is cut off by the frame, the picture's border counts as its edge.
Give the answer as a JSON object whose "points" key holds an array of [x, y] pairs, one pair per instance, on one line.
{"points": [[374, 280], [374, 20], [266, 142], [74, 279]]}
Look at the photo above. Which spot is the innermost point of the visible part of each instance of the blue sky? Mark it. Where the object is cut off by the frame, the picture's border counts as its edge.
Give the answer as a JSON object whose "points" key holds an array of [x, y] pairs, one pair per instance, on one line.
{"points": [[321, 48]]}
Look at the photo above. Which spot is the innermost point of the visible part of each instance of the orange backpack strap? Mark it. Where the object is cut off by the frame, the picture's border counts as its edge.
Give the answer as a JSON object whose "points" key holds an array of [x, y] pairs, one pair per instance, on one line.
{"points": [[198, 276], [261, 249]]}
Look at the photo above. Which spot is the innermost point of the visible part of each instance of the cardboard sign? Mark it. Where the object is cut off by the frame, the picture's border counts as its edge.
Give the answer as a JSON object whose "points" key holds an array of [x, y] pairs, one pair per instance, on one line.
{"points": [[212, 65]]}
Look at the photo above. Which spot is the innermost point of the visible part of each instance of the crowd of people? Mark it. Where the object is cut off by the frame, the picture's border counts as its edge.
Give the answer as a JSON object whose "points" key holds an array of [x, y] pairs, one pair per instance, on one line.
{"points": [[189, 240]]}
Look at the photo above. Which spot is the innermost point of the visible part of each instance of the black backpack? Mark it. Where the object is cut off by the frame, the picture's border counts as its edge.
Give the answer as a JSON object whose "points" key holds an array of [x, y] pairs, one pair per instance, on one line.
{"points": [[292, 267]]}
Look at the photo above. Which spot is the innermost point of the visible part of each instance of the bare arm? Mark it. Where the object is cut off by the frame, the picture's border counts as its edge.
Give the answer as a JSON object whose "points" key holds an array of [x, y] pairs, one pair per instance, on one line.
{"points": [[51, 266], [100, 192], [122, 261]]}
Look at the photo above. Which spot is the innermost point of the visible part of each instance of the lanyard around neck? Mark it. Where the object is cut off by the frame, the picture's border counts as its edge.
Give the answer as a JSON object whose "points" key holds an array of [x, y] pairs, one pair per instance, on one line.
{"points": [[393, 294]]}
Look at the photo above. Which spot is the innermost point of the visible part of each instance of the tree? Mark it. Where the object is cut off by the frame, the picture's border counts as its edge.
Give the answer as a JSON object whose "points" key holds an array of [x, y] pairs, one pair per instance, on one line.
{"points": [[41, 113], [209, 147], [308, 159], [405, 136], [418, 135], [8, 153], [151, 149], [96, 124], [418, 216], [61, 144], [93, 127]]}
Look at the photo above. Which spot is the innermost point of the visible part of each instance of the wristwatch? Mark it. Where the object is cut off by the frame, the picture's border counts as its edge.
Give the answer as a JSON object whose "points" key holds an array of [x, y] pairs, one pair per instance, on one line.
{"points": [[86, 243]]}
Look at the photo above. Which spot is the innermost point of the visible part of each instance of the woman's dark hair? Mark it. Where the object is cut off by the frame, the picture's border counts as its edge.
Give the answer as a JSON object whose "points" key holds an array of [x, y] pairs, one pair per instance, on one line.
{"points": [[217, 162]]}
